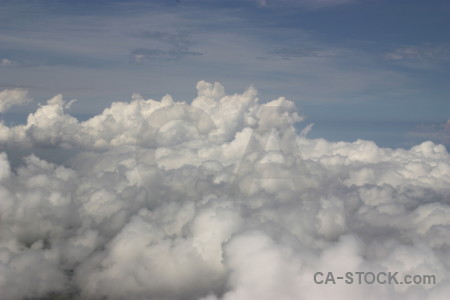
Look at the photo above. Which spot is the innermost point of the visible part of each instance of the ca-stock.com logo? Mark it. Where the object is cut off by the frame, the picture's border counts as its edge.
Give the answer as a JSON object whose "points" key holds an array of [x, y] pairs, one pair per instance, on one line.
{"points": [[179, 153]]}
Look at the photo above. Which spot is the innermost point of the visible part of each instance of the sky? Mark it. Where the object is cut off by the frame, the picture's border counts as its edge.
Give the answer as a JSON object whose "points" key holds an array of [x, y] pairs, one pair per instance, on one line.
{"points": [[375, 70]]}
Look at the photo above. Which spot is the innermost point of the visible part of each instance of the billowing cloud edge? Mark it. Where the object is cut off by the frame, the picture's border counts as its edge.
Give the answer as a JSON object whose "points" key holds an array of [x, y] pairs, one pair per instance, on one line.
{"points": [[216, 199]]}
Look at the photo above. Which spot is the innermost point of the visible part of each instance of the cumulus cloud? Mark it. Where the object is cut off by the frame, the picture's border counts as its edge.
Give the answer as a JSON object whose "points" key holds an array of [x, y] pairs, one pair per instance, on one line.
{"points": [[423, 52], [11, 97], [219, 198]]}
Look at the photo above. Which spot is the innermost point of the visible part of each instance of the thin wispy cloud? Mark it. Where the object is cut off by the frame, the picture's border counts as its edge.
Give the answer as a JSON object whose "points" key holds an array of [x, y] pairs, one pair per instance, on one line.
{"points": [[177, 45], [141, 55], [5, 62], [177, 40], [421, 53], [305, 51], [310, 4]]}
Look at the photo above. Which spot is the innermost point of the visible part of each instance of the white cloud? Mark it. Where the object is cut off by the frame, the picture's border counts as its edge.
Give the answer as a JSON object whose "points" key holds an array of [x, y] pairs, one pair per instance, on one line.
{"points": [[147, 207], [11, 97]]}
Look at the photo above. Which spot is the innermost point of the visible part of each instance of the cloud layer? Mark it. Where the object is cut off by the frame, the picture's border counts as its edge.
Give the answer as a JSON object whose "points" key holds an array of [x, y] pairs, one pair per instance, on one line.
{"points": [[216, 199]]}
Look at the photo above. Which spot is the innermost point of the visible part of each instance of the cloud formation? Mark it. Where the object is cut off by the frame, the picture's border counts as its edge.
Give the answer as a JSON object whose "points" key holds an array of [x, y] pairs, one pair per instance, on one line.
{"points": [[216, 199], [11, 97]]}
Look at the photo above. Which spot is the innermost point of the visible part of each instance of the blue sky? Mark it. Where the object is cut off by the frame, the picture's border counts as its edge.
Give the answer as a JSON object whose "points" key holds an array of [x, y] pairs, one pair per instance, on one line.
{"points": [[376, 70]]}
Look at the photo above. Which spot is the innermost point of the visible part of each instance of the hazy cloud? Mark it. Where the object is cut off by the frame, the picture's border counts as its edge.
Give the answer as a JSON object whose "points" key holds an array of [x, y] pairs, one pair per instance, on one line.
{"points": [[11, 97], [5, 62], [295, 52], [313, 4], [425, 52], [141, 55], [178, 44], [177, 40]]}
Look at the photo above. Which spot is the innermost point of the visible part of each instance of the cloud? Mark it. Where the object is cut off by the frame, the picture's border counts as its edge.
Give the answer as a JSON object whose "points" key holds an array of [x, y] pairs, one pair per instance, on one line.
{"points": [[304, 51], [178, 40], [218, 198], [7, 63], [312, 4], [326, 3], [179, 47], [262, 3], [432, 53], [141, 55], [296, 52], [11, 97]]}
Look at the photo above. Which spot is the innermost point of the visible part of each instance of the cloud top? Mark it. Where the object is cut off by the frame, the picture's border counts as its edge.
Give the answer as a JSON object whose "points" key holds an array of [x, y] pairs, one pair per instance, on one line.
{"points": [[219, 198]]}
